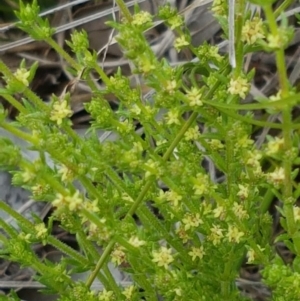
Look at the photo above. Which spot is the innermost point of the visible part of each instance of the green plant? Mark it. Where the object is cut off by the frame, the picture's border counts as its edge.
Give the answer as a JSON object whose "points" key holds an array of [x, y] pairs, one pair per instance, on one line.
{"points": [[207, 228]]}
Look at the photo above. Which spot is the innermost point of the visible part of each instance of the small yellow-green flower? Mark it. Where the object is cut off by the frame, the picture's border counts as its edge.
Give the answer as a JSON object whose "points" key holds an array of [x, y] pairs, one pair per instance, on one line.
{"points": [[219, 8], [127, 198], [202, 184], [28, 175], [170, 86], [67, 175], [91, 206], [105, 295], [175, 21], [219, 212], [41, 230], [22, 75], [145, 65], [274, 146], [180, 43], [152, 167], [277, 96], [136, 242], [163, 257], [206, 207], [118, 256], [125, 127], [173, 197], [141, 18], [296, 210], [214, 53], [216, 144], [60, 201], [75, 201], [244, 141], [25, 237], [234, 235], [197, 252], [40, 189], [135, 110], [239, 211], [277, 176], [194, 97], [60, 111], [243, 192], [99, 233], [191, 221], [137, 147], [128, 292], [253, 157], [178, 292], [216, 234], [252, 30], [173, 117], [192, 133], [182, 233], [251, 254], [274, 41], [239, 86]]}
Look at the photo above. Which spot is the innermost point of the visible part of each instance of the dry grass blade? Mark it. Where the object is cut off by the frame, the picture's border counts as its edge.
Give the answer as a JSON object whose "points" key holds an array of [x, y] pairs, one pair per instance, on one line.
{"points": [[231, 27], [47, 12], [38, 285], [70, 25], [195, 4]]}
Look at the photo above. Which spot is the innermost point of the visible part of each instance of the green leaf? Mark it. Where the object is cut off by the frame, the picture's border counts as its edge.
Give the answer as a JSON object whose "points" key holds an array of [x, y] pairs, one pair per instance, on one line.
{"points": [[4, 91], [296, 264], [263, 2], [295, 173], [281, 237], [280, 210], [283, 223], [33, 69], [290, 245]]}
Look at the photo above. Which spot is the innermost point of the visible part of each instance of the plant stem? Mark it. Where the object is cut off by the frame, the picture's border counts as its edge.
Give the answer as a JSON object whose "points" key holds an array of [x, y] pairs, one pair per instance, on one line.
{"points": [[287, 133], [64, 54], [20, 134], [100, 263], [238, 33], [124, 9], [112, 282], [283, 6], [27, 92], [67, 250], [15, 103], [92, 190], [17, 216], [6, 227]]}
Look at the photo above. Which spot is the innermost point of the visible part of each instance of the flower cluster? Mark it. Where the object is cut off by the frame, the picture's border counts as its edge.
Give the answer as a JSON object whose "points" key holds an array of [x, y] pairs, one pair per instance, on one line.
{"points": [[142, 18], [171, 17], [219, 8], [181, 43], [209, 53], [193, 97], [22, 75], [163, 257], [238, 86], [253, 31], [60, 111], [72, 202]]}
